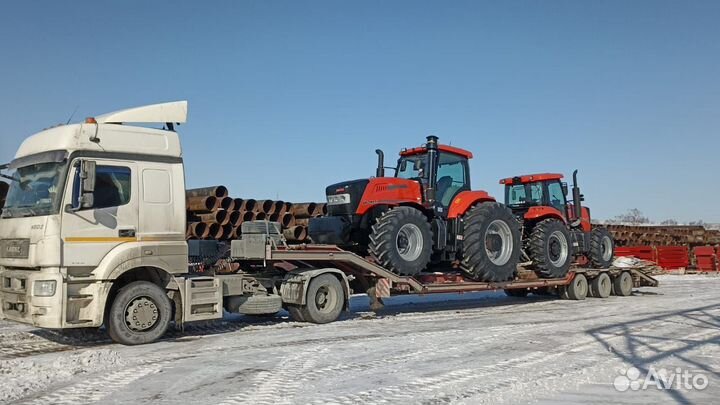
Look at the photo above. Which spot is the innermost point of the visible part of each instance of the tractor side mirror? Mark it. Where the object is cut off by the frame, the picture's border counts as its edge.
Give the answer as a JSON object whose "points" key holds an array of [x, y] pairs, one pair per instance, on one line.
{"points": [[564, 188], [83, 186]]}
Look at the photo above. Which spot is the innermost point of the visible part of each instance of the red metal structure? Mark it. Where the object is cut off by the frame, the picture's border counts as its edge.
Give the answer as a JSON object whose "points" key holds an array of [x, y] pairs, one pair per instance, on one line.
{"points": [[555, 230], [425, 216]]}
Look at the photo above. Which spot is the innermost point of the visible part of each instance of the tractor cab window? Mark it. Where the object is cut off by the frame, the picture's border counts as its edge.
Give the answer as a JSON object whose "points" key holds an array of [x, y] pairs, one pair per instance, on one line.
{"points": [[524, 195], [451, 177], [411, 167], [556, 196]]}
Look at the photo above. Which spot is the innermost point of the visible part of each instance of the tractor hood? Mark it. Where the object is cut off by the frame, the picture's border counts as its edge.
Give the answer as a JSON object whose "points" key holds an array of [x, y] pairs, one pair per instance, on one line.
{"points": [[344, 198]]}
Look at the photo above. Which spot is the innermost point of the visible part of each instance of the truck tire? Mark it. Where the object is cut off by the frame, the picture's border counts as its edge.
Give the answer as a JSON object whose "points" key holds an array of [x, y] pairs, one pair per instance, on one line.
{"points": [[139, 314], [601, 286], [602, 248], [550, 248], [401, 240], [622, 285], [324, 301], [516, 292], [491, 242], [577, 289]]}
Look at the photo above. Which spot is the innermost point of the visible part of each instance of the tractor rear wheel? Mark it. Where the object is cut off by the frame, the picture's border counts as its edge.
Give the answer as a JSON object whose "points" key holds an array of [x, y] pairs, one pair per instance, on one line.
{"points": [[401, 240], [602, 248], [549, 247], [491, 242]]}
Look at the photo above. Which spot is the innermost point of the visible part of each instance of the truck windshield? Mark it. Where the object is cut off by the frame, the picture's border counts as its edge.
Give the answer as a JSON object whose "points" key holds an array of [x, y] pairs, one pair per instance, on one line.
{"points": [[34, 190]]}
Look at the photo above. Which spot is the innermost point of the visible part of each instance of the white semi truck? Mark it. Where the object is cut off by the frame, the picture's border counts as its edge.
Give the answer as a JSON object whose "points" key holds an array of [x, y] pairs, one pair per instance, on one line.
{"points": [[93, 234]]}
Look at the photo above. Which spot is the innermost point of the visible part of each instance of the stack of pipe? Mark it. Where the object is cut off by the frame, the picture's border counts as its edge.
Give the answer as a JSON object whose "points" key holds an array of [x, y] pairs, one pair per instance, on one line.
{"points": [[212, 214], [682, 235], [3, 194]]}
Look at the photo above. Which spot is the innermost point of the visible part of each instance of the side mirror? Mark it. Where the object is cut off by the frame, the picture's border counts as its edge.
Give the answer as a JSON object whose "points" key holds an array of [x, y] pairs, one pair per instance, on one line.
{"points": [[564, 188], [83, 186]]}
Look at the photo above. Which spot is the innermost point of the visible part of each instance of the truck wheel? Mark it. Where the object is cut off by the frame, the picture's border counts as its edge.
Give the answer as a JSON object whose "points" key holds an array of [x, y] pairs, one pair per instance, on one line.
{"points": [[577, 289], [139, 314], [401, 241], [549, 248], [601, 286], [516, 292], [325, 299], [602, 248], [491, 242], [622, 285]]}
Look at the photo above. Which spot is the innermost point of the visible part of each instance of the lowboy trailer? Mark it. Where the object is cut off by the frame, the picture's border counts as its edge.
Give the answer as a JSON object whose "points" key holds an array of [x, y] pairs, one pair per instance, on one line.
{"points": [[93, 234]]}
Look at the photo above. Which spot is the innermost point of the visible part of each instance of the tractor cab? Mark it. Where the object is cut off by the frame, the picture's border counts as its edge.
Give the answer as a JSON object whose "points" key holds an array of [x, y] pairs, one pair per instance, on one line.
{"points": [[442, 170], [536, 190]]}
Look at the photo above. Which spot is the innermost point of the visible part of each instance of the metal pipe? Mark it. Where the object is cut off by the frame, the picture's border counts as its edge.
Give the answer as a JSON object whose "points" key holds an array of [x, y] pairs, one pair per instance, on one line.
{"points": [[577, 197], [227, 231], [198, 229], [248, 205], [265, 206], [273, 217], [219, 216], [302, 221], [224, 203], [234, 218], [277, 208], [201, 204], [214, 191], [237, 232], [287, 220], [239, 203], [214, 230], [433, 157], [320, 210], [295, 233], [380, 171], [303, 210], [247, 216], [259, 216]]}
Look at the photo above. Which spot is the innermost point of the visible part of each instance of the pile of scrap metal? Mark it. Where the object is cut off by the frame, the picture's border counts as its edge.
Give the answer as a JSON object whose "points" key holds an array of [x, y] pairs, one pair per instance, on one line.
{"points": [[676, 235], [212, 214]]}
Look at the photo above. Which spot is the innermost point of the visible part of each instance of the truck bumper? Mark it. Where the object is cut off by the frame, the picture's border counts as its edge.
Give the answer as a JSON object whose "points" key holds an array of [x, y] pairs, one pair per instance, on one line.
{"points": [[17, 302]]}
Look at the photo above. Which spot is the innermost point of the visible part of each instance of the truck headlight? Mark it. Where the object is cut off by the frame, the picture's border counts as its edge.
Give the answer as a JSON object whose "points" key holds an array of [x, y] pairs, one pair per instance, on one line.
{"points": [[338, 199], [44, 288]]}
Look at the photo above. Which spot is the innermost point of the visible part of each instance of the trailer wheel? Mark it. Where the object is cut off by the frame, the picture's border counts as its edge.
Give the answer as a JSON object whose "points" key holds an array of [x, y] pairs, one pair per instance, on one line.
{"points": [[516, 292], [601, 286], [491, 242], [622, 285], [325, 300], [602, 248], [550, 248], [577, 289], [401, 240], [139, 314]]}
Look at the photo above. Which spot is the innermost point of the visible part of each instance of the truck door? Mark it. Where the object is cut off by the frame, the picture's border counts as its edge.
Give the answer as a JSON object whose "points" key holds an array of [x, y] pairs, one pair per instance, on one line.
{"points": [[90, 233]]}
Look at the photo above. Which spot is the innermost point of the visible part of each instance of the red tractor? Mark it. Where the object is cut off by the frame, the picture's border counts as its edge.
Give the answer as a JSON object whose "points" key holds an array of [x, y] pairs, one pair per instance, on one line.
{"points": [[425, 215], [554, 231]]}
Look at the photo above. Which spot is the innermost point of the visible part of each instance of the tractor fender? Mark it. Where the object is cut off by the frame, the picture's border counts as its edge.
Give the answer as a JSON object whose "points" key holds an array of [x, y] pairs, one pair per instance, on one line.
{"points": [[294, 287], [540, 213], [466, 200]]}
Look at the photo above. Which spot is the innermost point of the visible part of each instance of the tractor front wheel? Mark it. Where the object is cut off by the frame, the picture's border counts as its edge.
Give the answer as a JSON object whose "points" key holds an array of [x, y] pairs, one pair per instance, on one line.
{"points": [[602, 248], [401, 241], [549, 248]]}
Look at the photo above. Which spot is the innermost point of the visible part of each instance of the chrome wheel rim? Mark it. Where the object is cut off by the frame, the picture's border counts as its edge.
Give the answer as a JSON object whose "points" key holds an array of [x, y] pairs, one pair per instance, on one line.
{"points": [[409, 242], [557, 249], [498, 242], [141, 314]]}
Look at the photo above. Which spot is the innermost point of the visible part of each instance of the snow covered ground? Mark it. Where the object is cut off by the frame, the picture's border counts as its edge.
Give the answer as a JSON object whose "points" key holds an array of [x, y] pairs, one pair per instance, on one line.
{"points": [[472, 348]]}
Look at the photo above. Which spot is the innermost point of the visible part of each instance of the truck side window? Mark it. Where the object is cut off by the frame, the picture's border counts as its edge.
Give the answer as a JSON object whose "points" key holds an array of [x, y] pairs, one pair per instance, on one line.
{"points": [[112, 186]]}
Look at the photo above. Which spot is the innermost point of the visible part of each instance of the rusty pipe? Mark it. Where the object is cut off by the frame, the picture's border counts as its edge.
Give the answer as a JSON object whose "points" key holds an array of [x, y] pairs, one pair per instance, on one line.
{"points": [[234, 218], [295, 234], [246, 216], [219, 216], [259, 216], [201, 204], [227, 231], [273, 217], [199, 230], [303, 210], [265, 206], [302, 221], [237, 232], [214, 191], [214, 230], [224, 203], [287, 220], [248, 205], [320, 210], [279, 205], [239, 202]]}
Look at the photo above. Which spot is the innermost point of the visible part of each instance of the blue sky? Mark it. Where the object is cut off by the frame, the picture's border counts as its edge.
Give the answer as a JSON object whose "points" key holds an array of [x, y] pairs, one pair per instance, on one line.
{"points": [[289, 96]]}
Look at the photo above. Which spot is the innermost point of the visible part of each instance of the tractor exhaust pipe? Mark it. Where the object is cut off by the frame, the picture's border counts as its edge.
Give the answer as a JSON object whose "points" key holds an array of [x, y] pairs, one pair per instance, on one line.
{"points": [[577, 197], [380, 172], [432, 151]]}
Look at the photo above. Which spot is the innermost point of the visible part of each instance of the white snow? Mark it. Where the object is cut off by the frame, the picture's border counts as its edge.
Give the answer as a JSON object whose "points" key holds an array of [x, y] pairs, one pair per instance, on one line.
{"points": [[464, 349]]}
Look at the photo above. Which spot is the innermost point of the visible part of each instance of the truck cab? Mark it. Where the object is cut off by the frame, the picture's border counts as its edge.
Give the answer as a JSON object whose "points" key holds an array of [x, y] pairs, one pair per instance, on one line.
{"points": [[89, 204]]}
